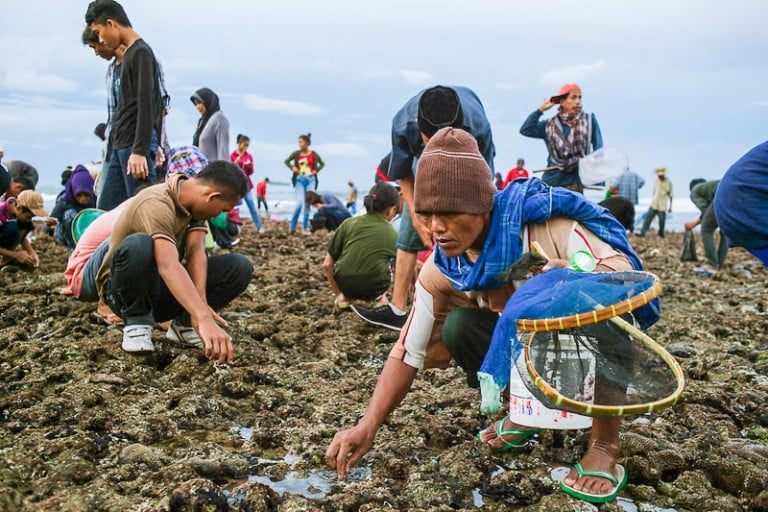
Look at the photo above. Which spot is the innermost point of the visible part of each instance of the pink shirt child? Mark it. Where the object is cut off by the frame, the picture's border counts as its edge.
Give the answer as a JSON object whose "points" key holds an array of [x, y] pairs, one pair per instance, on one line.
{"points": [[245, 163], [96, 233]]}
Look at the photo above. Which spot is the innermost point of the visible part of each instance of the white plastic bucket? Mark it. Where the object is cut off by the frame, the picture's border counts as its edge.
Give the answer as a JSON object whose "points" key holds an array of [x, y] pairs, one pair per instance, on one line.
{"points": [[527, 410]]}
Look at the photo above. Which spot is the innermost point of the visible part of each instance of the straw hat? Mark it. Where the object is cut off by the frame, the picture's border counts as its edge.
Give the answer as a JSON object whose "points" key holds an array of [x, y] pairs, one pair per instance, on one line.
{"points": [[661, 171]]}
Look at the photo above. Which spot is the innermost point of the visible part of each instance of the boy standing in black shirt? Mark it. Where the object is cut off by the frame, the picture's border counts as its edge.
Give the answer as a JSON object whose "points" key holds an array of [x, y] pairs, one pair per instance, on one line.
{"points": [[137, 121]]}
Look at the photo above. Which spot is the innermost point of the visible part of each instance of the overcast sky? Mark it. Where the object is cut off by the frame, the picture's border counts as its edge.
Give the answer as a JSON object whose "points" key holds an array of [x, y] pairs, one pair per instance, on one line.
{"points": [[681, 83]]}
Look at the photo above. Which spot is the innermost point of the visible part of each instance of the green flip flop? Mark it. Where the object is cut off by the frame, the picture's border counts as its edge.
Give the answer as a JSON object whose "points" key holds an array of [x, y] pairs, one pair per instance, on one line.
{"points": [[523, 433], [618, 484]]}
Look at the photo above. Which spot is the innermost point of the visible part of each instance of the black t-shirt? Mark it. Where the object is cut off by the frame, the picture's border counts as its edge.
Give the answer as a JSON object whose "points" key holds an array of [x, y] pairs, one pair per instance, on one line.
{"points": [[139, 107]]}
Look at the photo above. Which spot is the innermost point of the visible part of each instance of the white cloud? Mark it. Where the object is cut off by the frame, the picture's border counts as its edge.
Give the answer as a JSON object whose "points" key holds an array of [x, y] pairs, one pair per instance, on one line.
{"points": [[761, 103], [573, 73], [287, 107], [414, 77], [33, 81]]}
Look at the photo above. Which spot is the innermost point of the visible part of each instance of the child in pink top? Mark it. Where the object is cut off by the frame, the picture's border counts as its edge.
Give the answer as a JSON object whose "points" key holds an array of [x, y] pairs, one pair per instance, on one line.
{"points": [[99, 231], [244, 160]]}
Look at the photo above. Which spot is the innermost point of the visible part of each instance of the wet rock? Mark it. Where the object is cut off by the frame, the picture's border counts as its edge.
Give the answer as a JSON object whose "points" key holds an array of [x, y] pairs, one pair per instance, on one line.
{"points": [[682, 349], [423, 493], [138, 453], [230, 465], [77, 471], [560, 502], [253, 497], [760, 502], [518, 487], [195, 496], [633, 444]]}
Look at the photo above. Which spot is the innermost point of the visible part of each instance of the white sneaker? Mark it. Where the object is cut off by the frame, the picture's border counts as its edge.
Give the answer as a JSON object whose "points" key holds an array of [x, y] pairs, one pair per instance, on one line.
{"points": [[262, 230], [138, 338], [184, 336]]}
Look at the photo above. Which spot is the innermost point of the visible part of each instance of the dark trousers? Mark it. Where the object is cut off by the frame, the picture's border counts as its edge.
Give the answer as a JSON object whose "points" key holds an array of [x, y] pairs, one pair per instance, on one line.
{"points": [[9, 235], [118, 184], [649, 218], [89, 292], [467, 335], [137, 294], [262, 200], [329, 219], [715, 255]]}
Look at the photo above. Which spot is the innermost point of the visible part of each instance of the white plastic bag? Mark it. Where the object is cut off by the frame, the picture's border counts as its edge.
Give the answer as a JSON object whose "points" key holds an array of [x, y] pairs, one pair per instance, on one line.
{"points": [[603, 165]]}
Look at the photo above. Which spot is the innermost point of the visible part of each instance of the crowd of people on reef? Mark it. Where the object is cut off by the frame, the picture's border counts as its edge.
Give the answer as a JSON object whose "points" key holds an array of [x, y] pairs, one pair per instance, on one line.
{"points": [[139, 231]]}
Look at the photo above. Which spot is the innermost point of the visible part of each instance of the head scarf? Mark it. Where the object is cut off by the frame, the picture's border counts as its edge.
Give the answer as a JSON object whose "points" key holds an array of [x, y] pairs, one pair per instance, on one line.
{"points": [[565, 151], [80, 181], [211, 101]]}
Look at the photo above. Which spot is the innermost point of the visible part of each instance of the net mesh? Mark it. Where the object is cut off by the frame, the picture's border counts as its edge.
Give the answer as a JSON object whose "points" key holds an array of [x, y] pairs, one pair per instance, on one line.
{"points": [[563, 302], [598, 369]]}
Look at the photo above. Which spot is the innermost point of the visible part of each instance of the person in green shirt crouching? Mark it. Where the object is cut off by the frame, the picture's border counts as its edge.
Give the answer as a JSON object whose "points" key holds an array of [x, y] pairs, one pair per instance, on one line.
{"points": [[359, 253]]}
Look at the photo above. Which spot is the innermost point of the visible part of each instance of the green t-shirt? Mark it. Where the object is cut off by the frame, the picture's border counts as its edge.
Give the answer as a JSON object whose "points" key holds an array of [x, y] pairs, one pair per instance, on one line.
{"points": [[362, 248]]}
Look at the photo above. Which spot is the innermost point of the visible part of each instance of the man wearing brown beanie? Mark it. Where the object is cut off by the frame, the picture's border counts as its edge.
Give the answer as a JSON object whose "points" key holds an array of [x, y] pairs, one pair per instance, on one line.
{"points": [[458, 297], [420, 118]]}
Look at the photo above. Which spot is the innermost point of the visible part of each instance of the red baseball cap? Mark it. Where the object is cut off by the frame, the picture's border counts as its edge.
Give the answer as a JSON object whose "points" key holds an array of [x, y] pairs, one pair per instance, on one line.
{"points": [[564, 90]]}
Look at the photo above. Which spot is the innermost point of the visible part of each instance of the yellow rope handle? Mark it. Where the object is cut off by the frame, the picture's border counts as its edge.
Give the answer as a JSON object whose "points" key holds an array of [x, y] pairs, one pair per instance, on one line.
{"points": [[606, 410]]}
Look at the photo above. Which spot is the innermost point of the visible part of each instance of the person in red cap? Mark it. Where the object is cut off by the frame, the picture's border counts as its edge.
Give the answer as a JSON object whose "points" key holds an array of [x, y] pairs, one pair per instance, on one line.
{"points": [[569, 135]]}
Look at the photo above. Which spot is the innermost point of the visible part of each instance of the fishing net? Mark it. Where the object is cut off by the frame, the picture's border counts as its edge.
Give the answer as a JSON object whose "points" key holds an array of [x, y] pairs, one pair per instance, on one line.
{"points": [[572, 337], [602, 165]]}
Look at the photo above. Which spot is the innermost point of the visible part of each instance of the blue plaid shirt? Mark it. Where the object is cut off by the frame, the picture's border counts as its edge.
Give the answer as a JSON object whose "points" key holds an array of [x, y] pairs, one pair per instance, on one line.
{"points": [[407, 144], [628, 184]]}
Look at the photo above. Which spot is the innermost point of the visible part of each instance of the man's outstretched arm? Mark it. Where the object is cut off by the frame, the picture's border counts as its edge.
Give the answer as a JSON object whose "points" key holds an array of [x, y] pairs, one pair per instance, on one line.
{"points": [[217, 342], [348, 446]]}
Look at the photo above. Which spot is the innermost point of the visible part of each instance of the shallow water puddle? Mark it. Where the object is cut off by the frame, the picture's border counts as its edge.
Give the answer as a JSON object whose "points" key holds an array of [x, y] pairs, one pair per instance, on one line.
{"points": [[245, 433], [315, 484], [477, 498]]}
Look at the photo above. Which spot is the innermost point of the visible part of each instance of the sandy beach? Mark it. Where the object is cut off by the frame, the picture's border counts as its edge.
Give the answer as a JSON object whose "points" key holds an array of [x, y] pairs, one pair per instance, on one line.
{"points": [[85, 426]]}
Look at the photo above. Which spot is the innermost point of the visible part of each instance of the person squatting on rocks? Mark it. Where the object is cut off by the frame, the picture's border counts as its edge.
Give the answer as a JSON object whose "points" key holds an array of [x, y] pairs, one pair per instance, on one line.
{"points": [[357, 263], [661, 203], [77, 196], [569, 135], [622, 209], [142, 278], [22, 177], [305, 164], [136, 128], [703, 196], [15, 226], [741, 202], [331, 212], [457, 304], [413, 125]]}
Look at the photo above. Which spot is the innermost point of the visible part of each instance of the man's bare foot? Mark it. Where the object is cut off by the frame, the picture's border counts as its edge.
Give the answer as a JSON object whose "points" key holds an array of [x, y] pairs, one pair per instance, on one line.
{"points": [[490, 436], [597, 458]]}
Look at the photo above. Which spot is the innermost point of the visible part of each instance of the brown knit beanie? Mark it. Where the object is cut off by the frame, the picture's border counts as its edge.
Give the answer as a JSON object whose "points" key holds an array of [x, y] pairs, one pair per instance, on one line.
{"points": [[452, 176]]}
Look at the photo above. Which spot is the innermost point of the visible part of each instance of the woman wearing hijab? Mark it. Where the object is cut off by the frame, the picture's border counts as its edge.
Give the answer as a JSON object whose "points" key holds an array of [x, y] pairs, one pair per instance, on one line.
{"points": [[212, 134], [570, 135], [77, 196]]}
